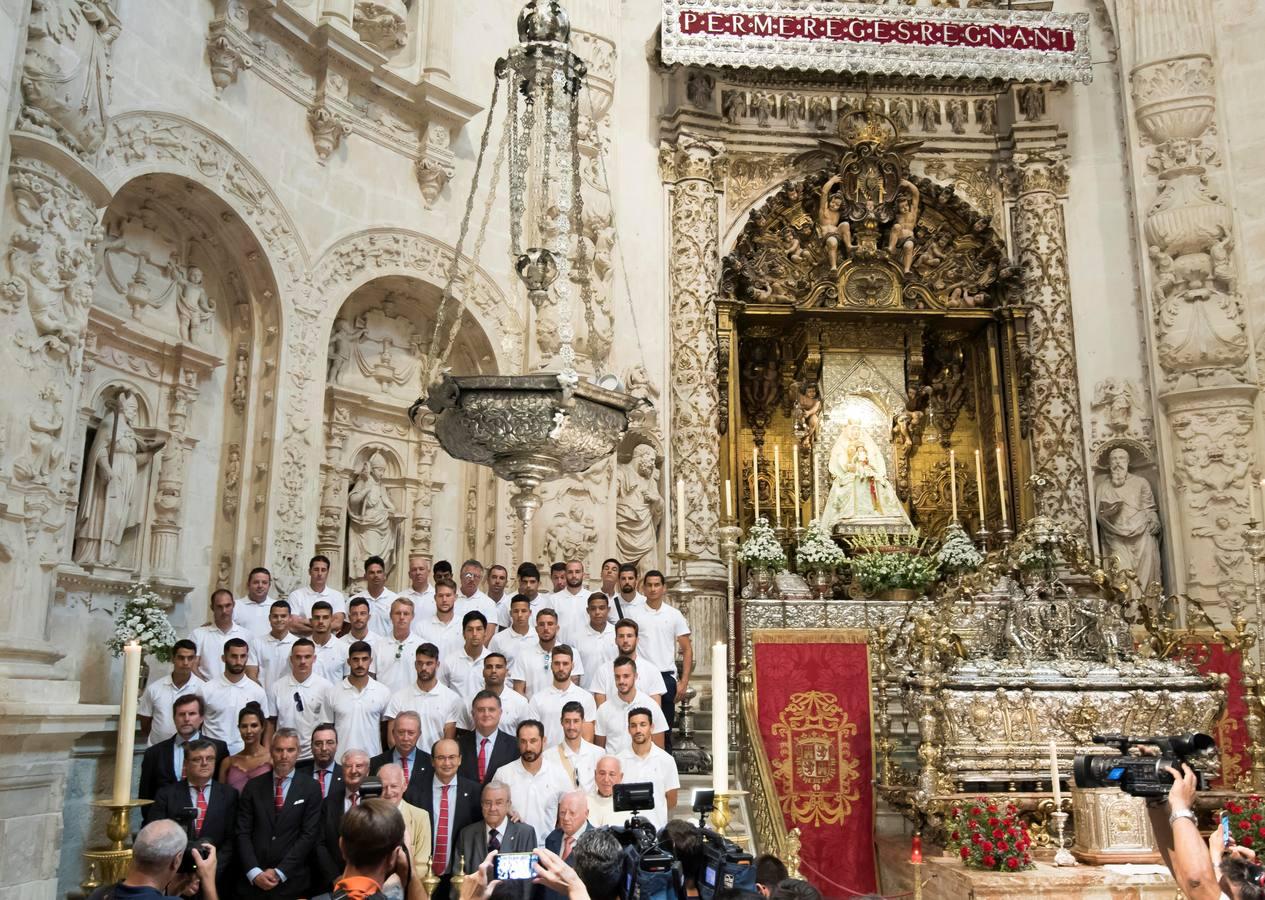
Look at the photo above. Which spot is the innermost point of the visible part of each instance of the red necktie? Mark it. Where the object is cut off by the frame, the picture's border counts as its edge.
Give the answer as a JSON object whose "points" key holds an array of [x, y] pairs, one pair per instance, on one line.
{"points": [[354, 797], [197, 826], [322, 773], [483, 759], [404, 766], [566, 846], [279, 798], [441, 836]]}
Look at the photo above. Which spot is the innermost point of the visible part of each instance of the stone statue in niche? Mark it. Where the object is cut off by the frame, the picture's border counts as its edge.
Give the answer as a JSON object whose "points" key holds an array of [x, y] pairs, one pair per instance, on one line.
{"points": [[112, 500], [860, 491], [807, 414], [194, 306], [341, 345], [638, 507], [1115, 397], [571, 536], [45, 454], [1032, 101], [1128, 518], [373, 526]]}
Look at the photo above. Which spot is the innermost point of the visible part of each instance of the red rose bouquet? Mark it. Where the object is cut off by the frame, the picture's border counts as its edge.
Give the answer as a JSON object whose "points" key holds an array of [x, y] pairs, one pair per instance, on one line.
{"points": [[988, 834], [1247, 821]]}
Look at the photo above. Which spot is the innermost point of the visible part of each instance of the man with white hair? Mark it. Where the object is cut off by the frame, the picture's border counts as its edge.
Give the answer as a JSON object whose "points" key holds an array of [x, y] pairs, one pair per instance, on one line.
{"points": [[608, 773], [416, 821], [573, 821], [344, 795], [153, 872]]}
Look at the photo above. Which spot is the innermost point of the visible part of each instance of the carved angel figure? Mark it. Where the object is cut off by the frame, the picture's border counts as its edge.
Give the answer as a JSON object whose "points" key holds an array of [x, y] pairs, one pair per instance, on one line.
{"points": [[807, 414], [194, 307], [832, 228], [901, 236]]}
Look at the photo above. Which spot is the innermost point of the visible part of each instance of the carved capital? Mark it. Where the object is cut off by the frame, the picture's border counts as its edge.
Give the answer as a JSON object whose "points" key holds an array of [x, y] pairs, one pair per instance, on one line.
{"points": [[1174, 98], [382, 24], [226, 59], [1038, 171], [692, 158], [328, 129]]}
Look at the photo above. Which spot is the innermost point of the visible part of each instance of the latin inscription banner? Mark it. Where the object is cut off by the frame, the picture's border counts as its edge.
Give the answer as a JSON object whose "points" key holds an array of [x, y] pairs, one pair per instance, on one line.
{"points": [[1020, 45]]}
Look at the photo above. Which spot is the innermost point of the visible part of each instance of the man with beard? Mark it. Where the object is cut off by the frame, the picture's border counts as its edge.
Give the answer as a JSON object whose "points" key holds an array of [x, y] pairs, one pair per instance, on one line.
{"points": [[649, 681], [436, 704], [533, 670], [229, 693], [612, 715], [536, 780], [1129, 519], [628, 598], [498, 578], [331, 650], [278, 821], [569, 602], [547, 702], [643, 761], [513, 705], [357, 703], [299, 698], [358, 616]]}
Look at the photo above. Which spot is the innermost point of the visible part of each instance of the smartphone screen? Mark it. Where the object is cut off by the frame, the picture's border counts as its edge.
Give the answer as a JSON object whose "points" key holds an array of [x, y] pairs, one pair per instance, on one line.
{"points": [[515, 866], [1226, 838]]}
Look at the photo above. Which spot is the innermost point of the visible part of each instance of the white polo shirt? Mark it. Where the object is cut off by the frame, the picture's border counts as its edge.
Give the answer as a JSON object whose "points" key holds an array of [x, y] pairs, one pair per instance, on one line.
{"points": [[514, 707], [583, 762], [423, 602], [659, 768], [659, 629], [502, 608], [210, 642], [649, 680], [457, 667], [253, 616], [357, 715], [510, 644], [612, 721], [534, 668], [638, 599], [301, 600], [156, 703], [478, 601], [572, 610], [444, 635], [224, 700], [331, 659], [546, 705], [535, 797], [301, 705], [379, 609], [394, 661], [274, 657], [436, 708], [596, 648]]}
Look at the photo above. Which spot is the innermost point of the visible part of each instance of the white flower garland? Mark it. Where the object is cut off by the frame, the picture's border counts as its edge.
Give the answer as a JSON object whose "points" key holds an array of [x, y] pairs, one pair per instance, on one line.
{"points": [[761, 549], [142, 618]]}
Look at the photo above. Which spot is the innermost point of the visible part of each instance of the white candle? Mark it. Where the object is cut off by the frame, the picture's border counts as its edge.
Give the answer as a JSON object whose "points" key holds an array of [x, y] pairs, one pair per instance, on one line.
{"points": [[953, 481], [729, 500], [979, 485], [816, 486], [720, 719], [1001, 483], [795, 479], [755, 478], [680, 515], [1054, 777], [777, 484], [1257, 489], [126, 742]]}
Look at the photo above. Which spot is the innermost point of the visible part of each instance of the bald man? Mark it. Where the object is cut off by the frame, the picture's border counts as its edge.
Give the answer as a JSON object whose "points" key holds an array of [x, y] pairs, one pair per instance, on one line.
{"points": [[608, 773], [416, 822], [452, 802]]}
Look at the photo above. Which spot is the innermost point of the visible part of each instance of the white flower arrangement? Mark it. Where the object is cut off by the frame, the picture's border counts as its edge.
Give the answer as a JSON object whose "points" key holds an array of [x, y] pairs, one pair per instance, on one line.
{"points": [[884, 562], [818, 551], [957, 551], [142, 618], [761, 549]]}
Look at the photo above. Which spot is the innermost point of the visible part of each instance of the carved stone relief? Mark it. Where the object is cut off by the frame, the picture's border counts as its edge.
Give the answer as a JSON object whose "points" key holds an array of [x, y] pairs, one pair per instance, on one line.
{"points": [[383, 24], [1119, 413]]}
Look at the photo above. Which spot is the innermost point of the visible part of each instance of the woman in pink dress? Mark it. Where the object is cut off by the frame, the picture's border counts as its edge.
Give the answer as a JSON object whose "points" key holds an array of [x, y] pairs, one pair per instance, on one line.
{"points": [[254, 759]]}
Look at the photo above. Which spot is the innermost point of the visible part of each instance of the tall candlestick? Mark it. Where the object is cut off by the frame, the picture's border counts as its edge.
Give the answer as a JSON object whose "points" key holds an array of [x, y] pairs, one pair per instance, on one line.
{"points": [[720, 718], [755, 478], [953, 482], [979, 485], [777, 484], [816, 486], [1054, 777], [795, 478], [680, 515], [729, 500], [1001, 484], [126, 742]]}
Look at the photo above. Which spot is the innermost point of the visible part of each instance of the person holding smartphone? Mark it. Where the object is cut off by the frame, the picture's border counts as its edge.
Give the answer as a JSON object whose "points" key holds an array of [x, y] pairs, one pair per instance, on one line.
{"points": [[497, 834]]}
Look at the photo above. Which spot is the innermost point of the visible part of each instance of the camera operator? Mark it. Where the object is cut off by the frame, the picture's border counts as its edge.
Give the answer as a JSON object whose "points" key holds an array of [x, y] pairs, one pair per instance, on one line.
{"points": [[154, 871], [372, 843], [686, 843], [1198, 868]]}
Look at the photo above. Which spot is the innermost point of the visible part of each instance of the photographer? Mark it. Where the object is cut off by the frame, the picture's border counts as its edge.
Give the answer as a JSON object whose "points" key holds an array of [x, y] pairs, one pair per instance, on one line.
{"points": [[686, 843], [154, 871], [372, 843], [1202, 871]]}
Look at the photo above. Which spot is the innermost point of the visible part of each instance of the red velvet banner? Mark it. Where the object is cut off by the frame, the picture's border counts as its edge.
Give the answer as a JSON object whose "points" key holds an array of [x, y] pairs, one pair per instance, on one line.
{"points": [[1231, 734], [812, 693]]}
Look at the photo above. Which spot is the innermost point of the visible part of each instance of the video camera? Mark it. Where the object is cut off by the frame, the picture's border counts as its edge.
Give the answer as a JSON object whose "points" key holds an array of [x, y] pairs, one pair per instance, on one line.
{"points": [[1141, 775], [650, 871], [371, 788], [187, 817], [725, 864]]}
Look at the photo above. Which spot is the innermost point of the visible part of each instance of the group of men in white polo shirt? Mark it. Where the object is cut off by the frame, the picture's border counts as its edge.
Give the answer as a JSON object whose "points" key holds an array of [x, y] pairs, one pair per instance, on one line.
{"points": [[589, 675]]}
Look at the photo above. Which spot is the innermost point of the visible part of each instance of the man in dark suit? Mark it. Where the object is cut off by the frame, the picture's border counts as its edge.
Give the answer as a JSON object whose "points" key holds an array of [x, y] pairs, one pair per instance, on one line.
{"points": [[278, 819], [213, 805], [163, 763], [415, 761], [487, 748], [341, 797], [573, 821], [322, 768], [452, 802], [496, 832]]}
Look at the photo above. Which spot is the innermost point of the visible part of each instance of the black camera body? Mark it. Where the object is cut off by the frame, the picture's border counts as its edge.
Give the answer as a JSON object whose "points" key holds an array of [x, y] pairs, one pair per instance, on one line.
{"points": [[650, 872], [725, 865], [188, 817], [371, 788], [1141, 776]]}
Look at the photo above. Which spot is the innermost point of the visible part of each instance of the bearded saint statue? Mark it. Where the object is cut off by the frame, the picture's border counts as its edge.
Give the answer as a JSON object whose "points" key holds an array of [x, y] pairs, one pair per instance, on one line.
{"points": [[638, 509], [1129, 518]]}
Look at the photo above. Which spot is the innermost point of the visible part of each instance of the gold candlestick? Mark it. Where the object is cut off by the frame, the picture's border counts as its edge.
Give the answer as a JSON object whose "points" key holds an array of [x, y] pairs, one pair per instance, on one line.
{"points": [[722, 815], [430, 881], [109, 864]]}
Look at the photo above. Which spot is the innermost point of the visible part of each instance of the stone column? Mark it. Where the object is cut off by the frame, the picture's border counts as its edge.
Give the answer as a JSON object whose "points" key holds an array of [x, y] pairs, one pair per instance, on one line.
{"points": [[693, 169], [441, 15], [1039, 180], [1197, 330]]}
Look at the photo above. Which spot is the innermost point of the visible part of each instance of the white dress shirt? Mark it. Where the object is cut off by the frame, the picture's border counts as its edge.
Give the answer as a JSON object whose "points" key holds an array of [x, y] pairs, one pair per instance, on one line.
{"points": [[301, 600], [224, 700], [156, 703], [546, 706], [436, 708], [583, 762], [596, 649], [210, 643], [379, 609], [253, 616], [510, 644], [514, 708], [612, 721], [649, 680], [395, 661], [534, 667], [659, 768], [659, 629], [274, 657], [289, 694], [535, 797], [331, 659], [357, 716]]}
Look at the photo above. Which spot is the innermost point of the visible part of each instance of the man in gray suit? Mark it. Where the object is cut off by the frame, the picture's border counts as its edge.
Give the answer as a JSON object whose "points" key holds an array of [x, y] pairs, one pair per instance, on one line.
{"points": [[497, 832]]}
